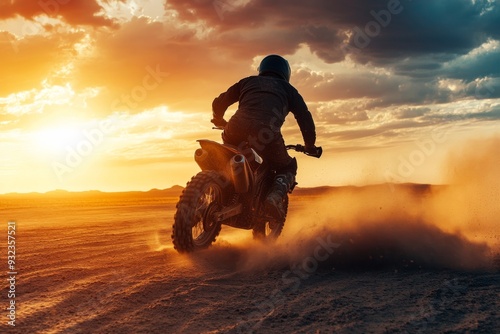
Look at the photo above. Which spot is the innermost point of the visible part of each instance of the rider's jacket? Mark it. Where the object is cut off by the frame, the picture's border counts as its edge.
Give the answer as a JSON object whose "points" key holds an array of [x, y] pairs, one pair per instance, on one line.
{"points": [[265, 100]]}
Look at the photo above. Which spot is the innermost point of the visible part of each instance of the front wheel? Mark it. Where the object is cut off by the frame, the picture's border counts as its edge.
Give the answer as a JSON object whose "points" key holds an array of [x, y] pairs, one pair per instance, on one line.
{"points": [[270, 228], [195, 226]]}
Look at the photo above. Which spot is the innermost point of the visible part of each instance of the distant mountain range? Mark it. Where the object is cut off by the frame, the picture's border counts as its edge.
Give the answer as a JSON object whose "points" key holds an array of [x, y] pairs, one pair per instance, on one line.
{"points": [[173, 191], [176, 190]]}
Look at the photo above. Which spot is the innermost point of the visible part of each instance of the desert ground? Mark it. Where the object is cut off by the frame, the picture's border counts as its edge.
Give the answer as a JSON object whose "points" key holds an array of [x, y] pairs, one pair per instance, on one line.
{"points": [[374, 259]]}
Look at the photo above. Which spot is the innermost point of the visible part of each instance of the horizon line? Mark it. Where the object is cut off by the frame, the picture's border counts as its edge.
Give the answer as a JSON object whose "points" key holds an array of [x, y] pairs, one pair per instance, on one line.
{"points": [[179, 186]]}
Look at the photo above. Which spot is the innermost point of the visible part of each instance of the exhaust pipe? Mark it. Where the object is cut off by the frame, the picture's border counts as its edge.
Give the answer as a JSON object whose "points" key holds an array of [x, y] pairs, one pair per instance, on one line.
{"points": [[240, 173], [200, 156]]}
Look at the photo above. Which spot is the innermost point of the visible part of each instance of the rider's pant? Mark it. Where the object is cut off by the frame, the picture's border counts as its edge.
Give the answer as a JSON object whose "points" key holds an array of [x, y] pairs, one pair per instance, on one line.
{"points": [[267, 143]]}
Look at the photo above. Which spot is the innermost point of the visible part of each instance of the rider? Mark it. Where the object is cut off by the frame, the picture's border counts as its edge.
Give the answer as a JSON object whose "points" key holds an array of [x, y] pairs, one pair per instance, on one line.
{"points": [[264, 102]]}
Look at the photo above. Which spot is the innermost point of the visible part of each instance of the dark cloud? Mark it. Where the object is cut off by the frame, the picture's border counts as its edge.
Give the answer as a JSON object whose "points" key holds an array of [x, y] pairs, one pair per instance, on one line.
{"points": [[288, 24], [485, 64], [484, 88], [75, 12], [422, 66], [388, 29], [419, 42], [426, 27], [379, 89]]}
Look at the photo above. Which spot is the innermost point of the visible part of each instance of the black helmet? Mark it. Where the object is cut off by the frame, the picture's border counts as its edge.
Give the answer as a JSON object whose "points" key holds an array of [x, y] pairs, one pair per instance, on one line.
{"points": [[275, 64]]}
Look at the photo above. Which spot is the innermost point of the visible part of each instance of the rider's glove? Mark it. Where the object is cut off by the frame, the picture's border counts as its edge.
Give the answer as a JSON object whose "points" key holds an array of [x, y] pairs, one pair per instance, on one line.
{"points": [[311, 149], [219, 122]]}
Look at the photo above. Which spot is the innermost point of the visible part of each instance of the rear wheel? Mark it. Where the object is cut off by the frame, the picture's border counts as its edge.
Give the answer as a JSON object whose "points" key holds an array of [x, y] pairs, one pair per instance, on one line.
{"points": [[195, 226], [270, 228]]}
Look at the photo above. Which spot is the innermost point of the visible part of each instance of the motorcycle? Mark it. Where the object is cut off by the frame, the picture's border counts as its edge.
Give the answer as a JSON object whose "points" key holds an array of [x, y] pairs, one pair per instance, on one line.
{"points": [[229, 190]]}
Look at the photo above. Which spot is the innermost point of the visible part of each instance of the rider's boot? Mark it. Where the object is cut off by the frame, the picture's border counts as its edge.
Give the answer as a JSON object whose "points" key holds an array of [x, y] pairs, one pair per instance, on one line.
{"points": [[274, 204]]}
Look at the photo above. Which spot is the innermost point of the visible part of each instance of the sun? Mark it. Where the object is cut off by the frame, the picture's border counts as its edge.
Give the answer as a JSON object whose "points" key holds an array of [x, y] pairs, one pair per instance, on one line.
{"points": [[55, 139]]}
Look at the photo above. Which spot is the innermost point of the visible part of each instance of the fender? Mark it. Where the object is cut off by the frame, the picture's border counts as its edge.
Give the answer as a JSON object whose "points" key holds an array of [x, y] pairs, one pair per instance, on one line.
{"points": [[214, 156], [229, 161]]}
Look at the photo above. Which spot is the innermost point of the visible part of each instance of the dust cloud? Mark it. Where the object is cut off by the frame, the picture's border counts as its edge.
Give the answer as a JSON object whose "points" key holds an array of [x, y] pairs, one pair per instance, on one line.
{"points": [[450, 226], [471, 201]]}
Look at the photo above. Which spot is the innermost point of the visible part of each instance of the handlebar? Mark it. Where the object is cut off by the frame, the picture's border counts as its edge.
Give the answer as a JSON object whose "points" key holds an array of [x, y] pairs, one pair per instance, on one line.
{"points": [[298, 147], [302, 149]]}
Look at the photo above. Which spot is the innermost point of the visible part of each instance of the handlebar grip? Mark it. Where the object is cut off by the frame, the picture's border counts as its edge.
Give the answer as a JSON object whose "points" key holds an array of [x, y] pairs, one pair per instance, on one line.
{"points": [[302, 149], [319, 152]]}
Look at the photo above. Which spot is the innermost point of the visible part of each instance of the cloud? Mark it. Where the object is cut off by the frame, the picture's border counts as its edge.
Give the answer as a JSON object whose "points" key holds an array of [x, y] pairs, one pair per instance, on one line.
{"points": [[384, 129], [29, 61], [411, 112], [484, 88], [369, 88], [491, 113], [420, 43], [399, 29], [201, 40], [74, 12], [356, 83], [477, 63], [270, 26], [338, 113], [185, 64], [426, 27]]}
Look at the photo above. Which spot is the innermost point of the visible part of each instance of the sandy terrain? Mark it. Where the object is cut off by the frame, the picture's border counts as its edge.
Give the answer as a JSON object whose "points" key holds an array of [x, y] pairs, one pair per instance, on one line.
{"points": [[97, 263]]}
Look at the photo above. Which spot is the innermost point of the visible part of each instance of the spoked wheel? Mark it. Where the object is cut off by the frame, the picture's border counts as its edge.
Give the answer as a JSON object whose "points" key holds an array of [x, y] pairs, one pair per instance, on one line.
{"points": [[270, 228], [195, 226]]}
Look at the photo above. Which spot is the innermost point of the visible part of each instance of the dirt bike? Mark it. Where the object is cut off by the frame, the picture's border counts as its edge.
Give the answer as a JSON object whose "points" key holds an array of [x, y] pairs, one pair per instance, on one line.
{"points": [[230, 190]]}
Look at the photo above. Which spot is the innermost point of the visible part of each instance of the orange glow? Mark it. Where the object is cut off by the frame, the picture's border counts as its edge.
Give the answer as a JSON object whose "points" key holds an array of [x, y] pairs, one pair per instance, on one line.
{"points": [[117, 96]]}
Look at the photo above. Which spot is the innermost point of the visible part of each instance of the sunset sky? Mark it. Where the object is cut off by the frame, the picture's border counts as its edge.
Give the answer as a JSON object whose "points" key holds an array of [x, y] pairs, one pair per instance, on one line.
{"points": [[112, 95]]}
